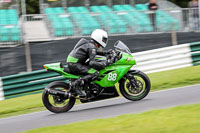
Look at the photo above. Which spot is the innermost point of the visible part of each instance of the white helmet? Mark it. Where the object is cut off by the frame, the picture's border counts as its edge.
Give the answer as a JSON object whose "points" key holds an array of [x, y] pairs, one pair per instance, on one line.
{"points": [[100, 36]]}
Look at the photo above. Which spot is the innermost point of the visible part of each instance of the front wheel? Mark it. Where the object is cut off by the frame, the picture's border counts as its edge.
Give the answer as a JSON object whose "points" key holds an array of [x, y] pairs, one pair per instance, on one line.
{"points": [[56, 103], [135, 86]]}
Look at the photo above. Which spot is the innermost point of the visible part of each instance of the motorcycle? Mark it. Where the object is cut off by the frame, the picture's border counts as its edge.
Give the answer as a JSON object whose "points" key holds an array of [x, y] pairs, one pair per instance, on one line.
{"points": [[134, 85]]}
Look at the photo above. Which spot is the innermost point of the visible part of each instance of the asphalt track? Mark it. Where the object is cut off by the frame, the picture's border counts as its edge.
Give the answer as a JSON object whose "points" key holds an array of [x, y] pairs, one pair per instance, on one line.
{"points": [[102, 109]]}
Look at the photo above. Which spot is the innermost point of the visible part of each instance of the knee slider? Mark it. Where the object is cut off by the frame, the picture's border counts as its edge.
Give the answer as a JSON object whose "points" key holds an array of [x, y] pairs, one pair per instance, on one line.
{"points": [[95, 75]]}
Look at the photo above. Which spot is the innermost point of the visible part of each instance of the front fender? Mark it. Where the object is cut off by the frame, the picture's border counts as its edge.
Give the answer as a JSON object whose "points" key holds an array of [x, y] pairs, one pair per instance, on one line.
{"points": [[130, 71], [134, 71]]}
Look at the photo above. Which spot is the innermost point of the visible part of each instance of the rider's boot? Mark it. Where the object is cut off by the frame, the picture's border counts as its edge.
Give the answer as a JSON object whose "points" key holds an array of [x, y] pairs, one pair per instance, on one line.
{"points": [[76, 85], [79, 82]]}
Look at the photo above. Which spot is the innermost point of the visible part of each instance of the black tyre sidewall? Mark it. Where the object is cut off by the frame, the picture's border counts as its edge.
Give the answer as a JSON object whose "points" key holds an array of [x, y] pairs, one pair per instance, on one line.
{"points": [[143, 95], [59, 109]]}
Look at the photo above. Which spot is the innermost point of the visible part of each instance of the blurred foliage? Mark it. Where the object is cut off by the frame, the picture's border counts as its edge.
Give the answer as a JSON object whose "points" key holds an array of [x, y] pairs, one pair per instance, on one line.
{"points": [[181, 3], [32, 6], [7, 5]]}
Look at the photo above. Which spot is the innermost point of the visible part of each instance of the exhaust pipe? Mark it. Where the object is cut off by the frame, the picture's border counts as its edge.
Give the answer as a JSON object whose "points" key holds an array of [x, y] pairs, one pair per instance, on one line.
{"points": [[60, 93]]}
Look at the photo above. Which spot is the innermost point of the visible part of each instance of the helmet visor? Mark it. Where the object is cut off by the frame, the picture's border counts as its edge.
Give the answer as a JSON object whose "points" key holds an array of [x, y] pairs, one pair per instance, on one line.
{"points": [[104, 39]]}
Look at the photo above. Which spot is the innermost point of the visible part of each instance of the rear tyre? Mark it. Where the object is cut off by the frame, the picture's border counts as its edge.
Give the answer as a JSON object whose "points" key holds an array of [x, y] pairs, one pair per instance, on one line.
{"points": [[57, 104], [141, 88]]}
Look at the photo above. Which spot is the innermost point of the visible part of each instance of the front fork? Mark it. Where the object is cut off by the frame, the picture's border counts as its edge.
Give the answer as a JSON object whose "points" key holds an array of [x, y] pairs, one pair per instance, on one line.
{"points": [[133, 81]]}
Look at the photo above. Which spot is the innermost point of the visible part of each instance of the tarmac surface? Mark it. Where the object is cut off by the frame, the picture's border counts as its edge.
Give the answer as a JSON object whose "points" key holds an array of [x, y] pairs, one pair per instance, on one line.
{"points": [[102, 109]]}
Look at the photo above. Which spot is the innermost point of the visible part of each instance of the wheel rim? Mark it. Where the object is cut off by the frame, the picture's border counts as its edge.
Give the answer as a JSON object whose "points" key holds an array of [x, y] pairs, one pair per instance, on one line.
{"points": [[57, 102], [136, 91]]}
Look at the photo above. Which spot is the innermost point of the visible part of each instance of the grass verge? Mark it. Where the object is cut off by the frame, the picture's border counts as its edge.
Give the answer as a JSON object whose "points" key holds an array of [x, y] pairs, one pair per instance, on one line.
{"points": [[175, 78], [181, 119], [160, 81]]}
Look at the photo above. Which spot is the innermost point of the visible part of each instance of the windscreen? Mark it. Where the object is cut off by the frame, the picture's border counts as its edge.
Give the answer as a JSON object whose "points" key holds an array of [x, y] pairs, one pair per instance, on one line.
{"points": [[120, 46]]}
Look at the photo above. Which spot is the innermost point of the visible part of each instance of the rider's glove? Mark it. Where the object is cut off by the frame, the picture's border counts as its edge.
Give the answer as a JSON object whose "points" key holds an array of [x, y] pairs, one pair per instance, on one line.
{"points": [[110, 51], [109, 62]]}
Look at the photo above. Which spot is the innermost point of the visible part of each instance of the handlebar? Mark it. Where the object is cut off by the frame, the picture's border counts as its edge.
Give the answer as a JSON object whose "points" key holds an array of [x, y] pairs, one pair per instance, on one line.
{"points": [[114, 56]]}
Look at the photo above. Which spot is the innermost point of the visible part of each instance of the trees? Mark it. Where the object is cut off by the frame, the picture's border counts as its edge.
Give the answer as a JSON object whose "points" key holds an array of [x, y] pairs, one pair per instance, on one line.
{"points": [[32, 6], [181, 3]]}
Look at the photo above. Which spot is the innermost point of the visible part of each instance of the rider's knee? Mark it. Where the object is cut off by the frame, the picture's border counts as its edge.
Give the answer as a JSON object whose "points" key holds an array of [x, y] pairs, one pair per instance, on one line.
{"points": [[95, 75]]}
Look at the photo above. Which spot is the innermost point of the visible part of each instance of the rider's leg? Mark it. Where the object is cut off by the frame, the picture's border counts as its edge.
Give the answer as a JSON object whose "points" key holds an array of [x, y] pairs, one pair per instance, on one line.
{"points": [[90, 75], [87, 78]]}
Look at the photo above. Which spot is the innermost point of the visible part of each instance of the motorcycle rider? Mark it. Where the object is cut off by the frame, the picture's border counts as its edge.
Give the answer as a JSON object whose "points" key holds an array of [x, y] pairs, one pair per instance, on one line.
{"points": [[88, 49]]}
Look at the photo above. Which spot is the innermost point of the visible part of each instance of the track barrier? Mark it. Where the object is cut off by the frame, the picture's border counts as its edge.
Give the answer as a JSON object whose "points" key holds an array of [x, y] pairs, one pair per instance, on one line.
{"points": [[156, 60], [27, 83]]}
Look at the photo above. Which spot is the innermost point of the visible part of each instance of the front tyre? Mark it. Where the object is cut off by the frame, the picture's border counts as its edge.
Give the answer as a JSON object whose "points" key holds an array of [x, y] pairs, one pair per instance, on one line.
{"points": [[136, 87], [55, 103]]}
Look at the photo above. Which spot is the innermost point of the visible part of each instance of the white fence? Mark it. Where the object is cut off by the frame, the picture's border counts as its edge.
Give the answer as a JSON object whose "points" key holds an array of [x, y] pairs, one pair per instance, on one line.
{"points": [[163, 59]]}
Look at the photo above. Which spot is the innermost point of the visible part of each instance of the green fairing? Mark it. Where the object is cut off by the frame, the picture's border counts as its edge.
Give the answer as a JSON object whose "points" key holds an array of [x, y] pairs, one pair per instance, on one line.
{"points": [[91, 71], [121, 67], [120, 71], [108, 76], [56, 67]]}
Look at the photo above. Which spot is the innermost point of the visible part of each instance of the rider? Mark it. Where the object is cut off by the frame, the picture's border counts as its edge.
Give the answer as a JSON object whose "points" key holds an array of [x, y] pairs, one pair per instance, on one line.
{"points": [[88, 49]]}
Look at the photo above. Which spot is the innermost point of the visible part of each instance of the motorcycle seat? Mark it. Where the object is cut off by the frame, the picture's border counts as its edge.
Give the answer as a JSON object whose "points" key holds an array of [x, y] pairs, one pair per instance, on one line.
{"points": [[66, 68]]}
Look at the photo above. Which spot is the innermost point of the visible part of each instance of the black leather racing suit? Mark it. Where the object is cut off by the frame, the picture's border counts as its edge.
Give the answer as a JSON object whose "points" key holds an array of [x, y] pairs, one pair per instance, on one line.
{"points": [[76, 60]]}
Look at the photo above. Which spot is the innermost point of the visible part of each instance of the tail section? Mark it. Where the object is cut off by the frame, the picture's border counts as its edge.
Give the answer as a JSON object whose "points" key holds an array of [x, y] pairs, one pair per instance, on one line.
{"points": [[62, 70]]}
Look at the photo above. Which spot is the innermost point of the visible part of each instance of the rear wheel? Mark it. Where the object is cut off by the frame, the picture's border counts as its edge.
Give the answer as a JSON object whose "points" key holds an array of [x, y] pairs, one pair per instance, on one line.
{"points": [[136, 87], [55, 103]]}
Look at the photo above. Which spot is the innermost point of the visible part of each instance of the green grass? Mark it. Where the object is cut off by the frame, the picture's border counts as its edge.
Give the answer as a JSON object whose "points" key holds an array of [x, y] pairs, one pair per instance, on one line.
{"points": [[181, 119], [160, 80], [21, 105], [175, 78]]}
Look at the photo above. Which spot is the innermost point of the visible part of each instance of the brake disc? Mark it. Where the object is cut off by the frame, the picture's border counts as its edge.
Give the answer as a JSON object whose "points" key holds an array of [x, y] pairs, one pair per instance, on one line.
{"points": [[135, 90]]}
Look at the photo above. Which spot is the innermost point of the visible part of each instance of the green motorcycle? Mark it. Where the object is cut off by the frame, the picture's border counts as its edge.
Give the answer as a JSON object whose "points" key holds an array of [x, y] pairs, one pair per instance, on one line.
{"points": [[134, 85]]}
